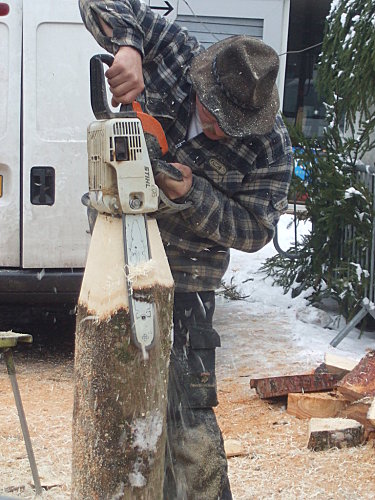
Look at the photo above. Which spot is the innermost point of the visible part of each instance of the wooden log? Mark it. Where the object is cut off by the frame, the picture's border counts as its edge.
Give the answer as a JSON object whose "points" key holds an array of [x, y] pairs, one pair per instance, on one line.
{"points": [[318, 404], [358, 410], [281, 386], [371, 413], [360, 382], [120, 396], [326, 433], [340, 365]]}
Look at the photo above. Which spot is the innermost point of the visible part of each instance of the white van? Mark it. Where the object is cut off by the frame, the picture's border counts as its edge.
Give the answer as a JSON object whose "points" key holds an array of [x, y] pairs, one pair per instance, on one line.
{"points": [[44, 113]]}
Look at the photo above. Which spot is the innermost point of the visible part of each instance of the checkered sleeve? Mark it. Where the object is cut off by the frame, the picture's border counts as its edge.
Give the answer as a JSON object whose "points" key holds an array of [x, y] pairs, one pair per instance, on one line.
{"points": [[134, 24], [223, 220]]}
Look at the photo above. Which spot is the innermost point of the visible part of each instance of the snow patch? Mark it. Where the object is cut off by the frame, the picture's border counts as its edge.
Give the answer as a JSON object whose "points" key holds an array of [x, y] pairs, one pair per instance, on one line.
{"points": [[137, 480], [146, 431], [349, 193]]}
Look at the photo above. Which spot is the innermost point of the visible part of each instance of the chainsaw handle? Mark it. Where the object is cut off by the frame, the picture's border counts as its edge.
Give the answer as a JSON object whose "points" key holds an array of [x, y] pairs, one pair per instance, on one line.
{"points": [[102, 111], [98, 91]]}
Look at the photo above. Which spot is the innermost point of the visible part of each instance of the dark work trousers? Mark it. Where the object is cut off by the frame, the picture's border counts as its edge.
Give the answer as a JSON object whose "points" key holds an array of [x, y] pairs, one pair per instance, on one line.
{"points": [[196, 465]]}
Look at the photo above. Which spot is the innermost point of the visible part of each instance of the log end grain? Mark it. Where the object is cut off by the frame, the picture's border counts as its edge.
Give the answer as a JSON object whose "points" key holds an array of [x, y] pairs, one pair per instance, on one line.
{"points": [[318, 404]]}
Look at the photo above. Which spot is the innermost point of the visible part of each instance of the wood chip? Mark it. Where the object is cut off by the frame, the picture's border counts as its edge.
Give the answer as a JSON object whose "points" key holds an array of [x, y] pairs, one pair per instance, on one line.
{"points": [[234, 448]]}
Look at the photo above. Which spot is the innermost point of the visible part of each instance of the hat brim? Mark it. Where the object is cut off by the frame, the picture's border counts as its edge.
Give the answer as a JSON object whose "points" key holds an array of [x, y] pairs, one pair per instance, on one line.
{"points": [[233, 120]]}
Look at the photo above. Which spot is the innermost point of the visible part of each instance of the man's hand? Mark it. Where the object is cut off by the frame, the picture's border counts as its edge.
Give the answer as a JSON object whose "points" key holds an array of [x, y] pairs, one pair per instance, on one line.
{"points": [[176, 189], [125, 76]]}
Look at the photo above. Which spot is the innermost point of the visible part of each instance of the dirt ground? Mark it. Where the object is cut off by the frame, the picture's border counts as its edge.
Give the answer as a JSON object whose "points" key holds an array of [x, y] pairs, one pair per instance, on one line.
{"points": [[276, 463]]}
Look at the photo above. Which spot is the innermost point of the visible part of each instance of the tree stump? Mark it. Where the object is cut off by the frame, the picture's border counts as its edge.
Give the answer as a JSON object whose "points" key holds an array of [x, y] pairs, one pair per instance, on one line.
{"points": [[326, 433], [120, 395]]}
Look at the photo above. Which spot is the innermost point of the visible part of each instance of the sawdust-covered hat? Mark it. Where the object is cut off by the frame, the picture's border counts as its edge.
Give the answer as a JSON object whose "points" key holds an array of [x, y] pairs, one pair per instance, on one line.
{"points": [[235, 81]]}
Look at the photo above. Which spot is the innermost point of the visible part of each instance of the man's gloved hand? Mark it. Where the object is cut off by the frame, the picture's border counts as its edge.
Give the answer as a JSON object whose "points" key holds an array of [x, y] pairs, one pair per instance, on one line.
{"points": [[125, 77]]}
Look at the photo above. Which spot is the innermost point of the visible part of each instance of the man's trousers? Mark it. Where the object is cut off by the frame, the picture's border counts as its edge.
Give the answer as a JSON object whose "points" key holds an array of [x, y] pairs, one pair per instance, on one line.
{"points": [[196, 465]]}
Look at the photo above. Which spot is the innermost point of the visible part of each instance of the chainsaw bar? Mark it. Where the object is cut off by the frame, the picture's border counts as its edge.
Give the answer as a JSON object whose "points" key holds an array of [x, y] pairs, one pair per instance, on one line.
{"points": [[136, 253]]}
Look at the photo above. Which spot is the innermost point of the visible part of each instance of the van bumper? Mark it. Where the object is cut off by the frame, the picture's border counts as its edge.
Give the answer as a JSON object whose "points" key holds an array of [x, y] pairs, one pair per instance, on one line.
{"points": [[40, 286]]}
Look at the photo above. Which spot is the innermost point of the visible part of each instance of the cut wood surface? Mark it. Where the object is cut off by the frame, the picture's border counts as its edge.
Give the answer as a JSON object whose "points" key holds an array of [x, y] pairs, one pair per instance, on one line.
{"points": [[360, 382], [318, 404], [339, 364], [103, 285], [326, 433], [281, 386], [371, 413]]}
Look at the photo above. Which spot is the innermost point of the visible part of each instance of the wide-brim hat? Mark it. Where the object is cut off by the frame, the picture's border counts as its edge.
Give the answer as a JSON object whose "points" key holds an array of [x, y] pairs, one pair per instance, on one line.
{"points": [[235, 81]]}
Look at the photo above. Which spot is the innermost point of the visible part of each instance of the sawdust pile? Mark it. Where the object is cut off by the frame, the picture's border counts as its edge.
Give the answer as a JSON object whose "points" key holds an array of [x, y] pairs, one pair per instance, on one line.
{"points": [[277, 463]]}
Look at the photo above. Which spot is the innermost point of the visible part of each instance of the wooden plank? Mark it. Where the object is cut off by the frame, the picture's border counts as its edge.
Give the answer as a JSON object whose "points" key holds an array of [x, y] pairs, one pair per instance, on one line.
{"points": [[281, 386], [360, 382], [10, 339], [318, 404], [326, 433], [339, 364]]}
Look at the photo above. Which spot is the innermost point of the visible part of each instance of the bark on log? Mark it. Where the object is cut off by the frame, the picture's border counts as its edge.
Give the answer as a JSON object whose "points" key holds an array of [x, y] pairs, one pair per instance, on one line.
{"points": [[326, 433], [120, 397], [320, 405], [281, 386], [360, 382]]}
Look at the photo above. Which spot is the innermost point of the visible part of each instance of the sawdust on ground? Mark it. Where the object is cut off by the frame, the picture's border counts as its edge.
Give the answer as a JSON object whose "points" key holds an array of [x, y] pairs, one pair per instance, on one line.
{"points": [[276, 462]]}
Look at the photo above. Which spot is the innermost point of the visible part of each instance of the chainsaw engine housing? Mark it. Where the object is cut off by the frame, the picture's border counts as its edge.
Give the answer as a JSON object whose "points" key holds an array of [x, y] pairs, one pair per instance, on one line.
{"points": [[120, 173]]}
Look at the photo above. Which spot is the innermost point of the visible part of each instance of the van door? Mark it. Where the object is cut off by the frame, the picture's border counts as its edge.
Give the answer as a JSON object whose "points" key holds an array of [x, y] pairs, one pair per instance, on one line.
{"points": [[56, 112], [10, 110]]}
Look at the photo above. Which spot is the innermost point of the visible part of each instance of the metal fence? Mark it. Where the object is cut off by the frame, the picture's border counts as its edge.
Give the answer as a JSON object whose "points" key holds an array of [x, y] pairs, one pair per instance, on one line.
{"points": [[365, 257]]}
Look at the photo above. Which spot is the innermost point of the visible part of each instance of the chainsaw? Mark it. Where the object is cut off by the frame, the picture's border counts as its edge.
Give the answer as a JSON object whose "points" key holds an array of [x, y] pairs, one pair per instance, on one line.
{"points": [[121, 183]]}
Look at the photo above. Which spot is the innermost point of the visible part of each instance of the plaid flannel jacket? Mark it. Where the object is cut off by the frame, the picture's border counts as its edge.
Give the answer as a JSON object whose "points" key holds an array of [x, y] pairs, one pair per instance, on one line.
{"points": [[239, 187]]}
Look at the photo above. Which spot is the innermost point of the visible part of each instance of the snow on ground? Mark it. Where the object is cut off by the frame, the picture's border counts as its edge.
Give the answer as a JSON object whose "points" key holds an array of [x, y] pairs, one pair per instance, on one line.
{"points": [[285, 332]]}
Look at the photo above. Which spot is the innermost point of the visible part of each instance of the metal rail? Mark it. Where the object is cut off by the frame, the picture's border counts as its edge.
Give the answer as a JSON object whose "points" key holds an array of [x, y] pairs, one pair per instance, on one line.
{"points": [[364, 257]]}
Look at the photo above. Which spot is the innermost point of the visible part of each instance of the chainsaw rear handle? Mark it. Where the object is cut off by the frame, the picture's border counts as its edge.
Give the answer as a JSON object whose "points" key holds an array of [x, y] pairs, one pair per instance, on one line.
{"points": [[98, 91], [102, 111]]}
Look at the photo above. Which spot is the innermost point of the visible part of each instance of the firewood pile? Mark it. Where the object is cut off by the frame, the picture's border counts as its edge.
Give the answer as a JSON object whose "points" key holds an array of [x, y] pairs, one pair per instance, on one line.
{"points": [[338, 398]]}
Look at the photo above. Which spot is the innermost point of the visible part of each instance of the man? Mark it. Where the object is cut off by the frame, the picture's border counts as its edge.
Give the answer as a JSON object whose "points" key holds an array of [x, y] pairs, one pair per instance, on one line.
{"points": [[219, 110]]}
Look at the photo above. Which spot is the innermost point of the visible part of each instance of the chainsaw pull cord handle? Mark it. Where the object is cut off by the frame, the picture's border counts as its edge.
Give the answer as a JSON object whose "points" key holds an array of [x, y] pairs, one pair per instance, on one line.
{"points": [[98, 91]]}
